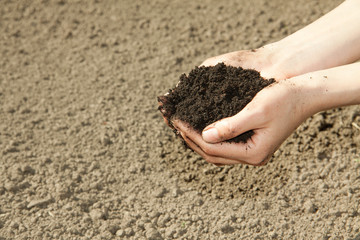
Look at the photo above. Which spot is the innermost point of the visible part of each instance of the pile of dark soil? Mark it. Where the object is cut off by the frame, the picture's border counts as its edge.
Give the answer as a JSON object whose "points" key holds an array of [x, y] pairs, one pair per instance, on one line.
{"points": [[209, 94]]}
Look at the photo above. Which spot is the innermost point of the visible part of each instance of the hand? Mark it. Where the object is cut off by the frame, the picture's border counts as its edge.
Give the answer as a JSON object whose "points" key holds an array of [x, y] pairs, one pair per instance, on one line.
{"points": [[273, 115], [261, 59]]}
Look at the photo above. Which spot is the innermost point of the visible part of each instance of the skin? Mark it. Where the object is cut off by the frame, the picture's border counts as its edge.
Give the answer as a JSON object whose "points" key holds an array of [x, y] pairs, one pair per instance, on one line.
{"points": [[304, 65], [297, 98]]}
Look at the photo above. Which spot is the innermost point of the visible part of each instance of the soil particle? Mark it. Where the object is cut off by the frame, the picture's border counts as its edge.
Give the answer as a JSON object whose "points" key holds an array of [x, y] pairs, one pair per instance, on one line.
{"points": [[152, 234], [310, 207], [208, 94], [120, 233], [160, 192], [227, 229], [39, 202], [97, 214]]}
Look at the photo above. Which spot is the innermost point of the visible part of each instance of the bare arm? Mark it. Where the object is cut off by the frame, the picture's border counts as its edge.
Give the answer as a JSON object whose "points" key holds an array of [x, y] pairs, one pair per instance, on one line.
{"points": [[332, 40]]}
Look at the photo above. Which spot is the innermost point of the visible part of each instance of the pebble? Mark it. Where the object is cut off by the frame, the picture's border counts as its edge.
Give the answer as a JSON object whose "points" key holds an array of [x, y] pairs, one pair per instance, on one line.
{"points": [[105, 139], [160, 192], [14, 225], [39, 202], [227, 229], [176, 192], [273, 235], [132, 169], [163, 219], [27, 170], [20, 205], [128, 220], [169, 232], [97, 214], [11, 186], [120, 233], [310, 207], [129, 232], [152, 234]]}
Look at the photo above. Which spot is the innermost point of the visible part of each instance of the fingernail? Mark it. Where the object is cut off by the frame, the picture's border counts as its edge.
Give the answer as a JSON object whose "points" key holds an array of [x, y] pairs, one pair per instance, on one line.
{"points": [[210, 135]]}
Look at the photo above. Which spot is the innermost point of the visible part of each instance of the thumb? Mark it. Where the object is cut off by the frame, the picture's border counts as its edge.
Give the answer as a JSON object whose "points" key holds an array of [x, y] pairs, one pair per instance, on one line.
{"points": [[231, 127]]}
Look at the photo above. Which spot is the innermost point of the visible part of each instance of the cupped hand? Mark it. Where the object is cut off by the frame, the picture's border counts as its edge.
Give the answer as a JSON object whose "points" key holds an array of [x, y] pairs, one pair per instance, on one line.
{"points": [[273, 114], [260, 59]]}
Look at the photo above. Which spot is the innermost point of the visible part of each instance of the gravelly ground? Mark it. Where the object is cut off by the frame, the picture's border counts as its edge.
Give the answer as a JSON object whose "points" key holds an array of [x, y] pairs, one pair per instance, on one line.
{"points": [[85, 155]]}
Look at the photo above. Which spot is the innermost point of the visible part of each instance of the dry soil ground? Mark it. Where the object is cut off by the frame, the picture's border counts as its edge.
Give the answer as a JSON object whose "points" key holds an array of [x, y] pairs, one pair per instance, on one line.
{"points": [[84, 154]]}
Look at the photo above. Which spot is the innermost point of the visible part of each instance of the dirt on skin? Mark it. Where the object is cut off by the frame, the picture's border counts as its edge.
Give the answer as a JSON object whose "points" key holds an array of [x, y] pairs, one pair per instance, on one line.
{"points": [[208, 94], [84, 153]]}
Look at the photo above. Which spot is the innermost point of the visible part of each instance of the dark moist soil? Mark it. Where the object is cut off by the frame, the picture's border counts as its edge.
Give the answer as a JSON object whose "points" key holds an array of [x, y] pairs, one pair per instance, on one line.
{"points": [[209, 94]]}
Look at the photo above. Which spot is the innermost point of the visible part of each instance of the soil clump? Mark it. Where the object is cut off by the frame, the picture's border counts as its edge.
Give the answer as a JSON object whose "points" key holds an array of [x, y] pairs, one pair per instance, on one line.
{"points": [[209, 94]]}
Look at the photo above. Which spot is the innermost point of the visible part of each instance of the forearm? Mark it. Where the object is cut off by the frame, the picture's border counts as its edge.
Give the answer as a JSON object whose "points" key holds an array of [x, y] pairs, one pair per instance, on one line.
{"points": [[331, 88], [330, 41]]}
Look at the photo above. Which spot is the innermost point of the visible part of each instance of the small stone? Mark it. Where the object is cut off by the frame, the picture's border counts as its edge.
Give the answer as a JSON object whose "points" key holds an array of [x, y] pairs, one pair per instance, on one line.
{"points": [[129, 232], [128, 220], [86, 219], [195, 218], [27, 170], [96, 185], [20, 205], [94, 166], [305, 176], [152, 234], [39, 202], [105, 139], [113, 227], [169, 232], [14, 225], [253, 223], [163, 219], [120, 233], [227, 229], [310, 207], [273, 235], [324, 186], [132, 169], [160, 192], [176, 192], [97, 214]]}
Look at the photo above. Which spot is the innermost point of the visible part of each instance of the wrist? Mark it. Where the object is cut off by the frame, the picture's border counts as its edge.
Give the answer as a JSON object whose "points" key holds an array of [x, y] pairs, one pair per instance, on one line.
{"points": [[330, 88], [310, 92], [288, 56], [273, 55]]}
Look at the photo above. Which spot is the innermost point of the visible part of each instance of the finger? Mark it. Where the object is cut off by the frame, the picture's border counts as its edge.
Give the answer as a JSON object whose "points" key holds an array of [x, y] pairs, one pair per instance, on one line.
{"points": [[231, 127], [211, 159], [239, 151]]}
